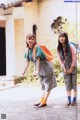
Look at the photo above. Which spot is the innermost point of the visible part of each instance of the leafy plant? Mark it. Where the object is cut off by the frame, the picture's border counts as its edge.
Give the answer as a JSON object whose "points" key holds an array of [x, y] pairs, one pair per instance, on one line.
{"points": [[62, 24]]}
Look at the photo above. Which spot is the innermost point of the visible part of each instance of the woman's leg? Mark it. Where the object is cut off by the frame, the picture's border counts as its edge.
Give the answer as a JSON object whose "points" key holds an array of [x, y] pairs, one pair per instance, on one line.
{"points": [[69, 97], [74, 98], [74, 84], [68, 88], [42, 95], [74, 93], [42, 91], [44, 101], [45, 97], [48, 85], [42, 98]]}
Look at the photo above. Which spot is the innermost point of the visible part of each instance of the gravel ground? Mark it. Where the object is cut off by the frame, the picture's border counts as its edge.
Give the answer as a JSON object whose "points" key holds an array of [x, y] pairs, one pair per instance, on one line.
{"points": [[17, 104]]}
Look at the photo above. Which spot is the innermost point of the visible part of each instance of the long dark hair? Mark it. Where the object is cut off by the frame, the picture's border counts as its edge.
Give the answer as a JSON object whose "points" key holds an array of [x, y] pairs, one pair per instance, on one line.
{"points": [[31, 36], [60, 47]]}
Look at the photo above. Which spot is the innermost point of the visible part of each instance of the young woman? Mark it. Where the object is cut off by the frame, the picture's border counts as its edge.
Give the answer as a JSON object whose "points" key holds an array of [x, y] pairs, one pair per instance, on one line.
{"points": [[67, 58], [42, 67]]}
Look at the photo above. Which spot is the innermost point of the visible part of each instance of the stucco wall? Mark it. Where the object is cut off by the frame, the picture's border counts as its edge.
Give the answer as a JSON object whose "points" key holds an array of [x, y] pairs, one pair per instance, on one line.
{"points": [[31, 16], [49, 10], [78, 22], [22, 28], [19, 44], [2, 23]]}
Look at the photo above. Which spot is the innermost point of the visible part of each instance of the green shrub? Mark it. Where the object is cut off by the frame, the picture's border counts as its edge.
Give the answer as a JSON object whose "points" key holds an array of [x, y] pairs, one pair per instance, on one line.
{"points": [[78, 76]]}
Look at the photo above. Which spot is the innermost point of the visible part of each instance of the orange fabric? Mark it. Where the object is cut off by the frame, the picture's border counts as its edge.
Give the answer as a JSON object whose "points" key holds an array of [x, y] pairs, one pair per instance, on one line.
{"points": [[48, 54], [43, 101]]}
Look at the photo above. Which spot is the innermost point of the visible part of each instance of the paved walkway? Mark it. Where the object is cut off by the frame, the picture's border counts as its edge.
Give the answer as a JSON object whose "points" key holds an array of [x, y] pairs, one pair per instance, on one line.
{"points": [[17, 103]]}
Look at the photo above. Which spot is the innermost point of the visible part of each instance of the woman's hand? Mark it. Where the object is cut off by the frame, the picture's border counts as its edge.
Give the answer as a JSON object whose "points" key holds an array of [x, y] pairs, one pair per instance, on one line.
{"points": [[35, 73], [64, 69], [23, 73], [70, 70]]}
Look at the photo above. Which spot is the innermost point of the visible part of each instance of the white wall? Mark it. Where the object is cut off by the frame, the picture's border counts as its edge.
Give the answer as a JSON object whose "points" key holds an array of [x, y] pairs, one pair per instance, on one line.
{"points": [[49, 10]]}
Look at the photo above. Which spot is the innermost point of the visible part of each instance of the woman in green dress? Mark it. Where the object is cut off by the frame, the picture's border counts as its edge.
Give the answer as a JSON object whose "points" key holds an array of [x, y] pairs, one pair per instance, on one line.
{"points": [[42, 68]]}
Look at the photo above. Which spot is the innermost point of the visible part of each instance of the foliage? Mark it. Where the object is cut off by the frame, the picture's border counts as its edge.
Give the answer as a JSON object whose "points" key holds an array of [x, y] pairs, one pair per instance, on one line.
{"points": [[29, 79], [78, 70], [61, 24], [58, 71], [57, 67], [78, 76]]}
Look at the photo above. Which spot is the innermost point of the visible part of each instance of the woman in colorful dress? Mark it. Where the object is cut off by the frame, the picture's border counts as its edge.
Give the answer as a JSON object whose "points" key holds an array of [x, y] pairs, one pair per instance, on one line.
{"points": [[42, 67], [67, 57]]}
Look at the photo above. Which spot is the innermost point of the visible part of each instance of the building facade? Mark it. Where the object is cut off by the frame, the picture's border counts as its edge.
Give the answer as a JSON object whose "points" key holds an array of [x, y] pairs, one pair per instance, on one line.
{"points": [[31, 17]]}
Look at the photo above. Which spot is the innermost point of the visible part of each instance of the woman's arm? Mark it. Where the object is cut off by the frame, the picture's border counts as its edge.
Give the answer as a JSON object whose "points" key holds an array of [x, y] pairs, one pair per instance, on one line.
{"points": [[61, 62], [74, 55], [25, 70]]}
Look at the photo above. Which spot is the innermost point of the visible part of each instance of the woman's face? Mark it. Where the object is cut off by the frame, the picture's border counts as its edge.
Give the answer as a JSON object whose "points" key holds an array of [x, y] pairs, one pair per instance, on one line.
{"points": [[30, 42], [62, 39]]}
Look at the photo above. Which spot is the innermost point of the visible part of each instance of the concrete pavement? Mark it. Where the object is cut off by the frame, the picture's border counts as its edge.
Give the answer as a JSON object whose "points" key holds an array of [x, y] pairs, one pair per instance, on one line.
{"points": [[17, 104]]}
